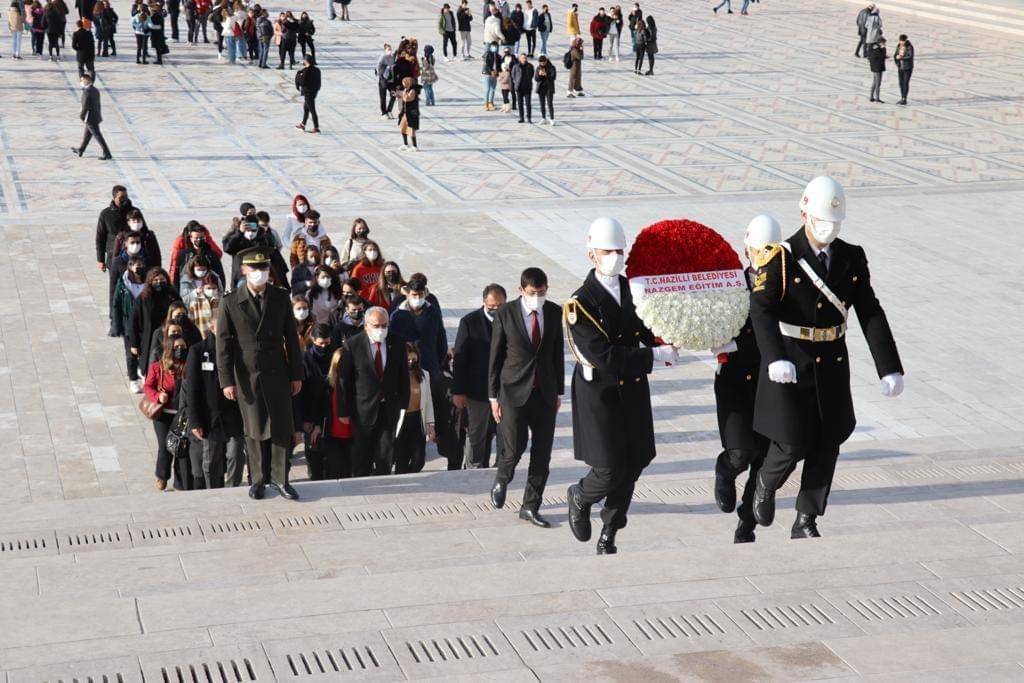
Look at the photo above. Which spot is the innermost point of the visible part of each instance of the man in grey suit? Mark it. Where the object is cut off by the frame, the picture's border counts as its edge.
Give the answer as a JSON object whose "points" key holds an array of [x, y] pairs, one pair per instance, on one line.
{"points": [[92, 117]]}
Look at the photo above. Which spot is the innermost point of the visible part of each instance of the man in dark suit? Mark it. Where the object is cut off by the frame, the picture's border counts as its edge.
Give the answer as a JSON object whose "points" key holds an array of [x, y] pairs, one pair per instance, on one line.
{"points": [[213, 420], [469, 376], [259, 364], [799, 306], [526, 380], [522, 87], [92, 118], [375, 376]]}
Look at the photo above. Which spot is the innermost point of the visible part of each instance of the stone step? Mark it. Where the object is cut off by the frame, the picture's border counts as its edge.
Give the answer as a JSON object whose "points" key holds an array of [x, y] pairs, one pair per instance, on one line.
{"points": [[1006, 19]]}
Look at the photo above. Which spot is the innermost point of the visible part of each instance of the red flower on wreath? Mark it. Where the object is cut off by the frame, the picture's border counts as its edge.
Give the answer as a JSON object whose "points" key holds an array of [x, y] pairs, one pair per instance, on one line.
{"points": [[679, 246]]}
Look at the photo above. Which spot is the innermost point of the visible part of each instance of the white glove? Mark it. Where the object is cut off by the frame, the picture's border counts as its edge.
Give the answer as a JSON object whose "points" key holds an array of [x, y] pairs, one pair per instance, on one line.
{"points": [[665, 354], [892, 385], [782, 371], [724, 348]]}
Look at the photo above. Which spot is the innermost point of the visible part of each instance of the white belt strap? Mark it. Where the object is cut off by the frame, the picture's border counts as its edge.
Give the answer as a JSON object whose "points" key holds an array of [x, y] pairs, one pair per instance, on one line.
{"points": [[818, 282]]}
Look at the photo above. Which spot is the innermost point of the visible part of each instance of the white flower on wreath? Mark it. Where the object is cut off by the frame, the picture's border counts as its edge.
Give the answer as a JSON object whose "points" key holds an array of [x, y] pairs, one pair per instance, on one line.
{"points": [[695, 320]]}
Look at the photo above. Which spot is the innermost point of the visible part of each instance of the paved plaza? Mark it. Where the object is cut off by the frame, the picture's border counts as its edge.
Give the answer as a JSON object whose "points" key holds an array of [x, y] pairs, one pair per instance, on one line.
{"points": [[919, 574]]}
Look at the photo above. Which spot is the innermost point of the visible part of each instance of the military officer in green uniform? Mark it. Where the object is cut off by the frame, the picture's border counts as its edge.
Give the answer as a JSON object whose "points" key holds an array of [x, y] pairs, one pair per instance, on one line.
{"points": [[260, 365]]}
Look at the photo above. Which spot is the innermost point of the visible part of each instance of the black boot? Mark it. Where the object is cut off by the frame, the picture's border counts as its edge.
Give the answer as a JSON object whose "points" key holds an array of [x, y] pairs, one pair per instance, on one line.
{"points": [[725, 486], [745, 528], [606, 542], [805, 526], [764, 503], [579, 515]]}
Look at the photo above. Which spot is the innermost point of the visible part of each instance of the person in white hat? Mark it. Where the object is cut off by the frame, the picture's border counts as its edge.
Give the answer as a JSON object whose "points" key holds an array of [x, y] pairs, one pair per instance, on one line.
{"points": [[736, 381], [612, 424], [802, 293]]}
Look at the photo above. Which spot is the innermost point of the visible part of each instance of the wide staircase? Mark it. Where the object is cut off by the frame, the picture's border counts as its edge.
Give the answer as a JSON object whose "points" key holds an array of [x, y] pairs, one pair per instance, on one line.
{"points": [[919, 572], [1002, 16]]}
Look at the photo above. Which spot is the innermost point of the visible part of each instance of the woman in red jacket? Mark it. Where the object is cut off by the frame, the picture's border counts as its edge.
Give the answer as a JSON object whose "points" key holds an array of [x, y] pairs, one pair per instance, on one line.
{"points": [[182, 241], [337, 431], [162, 383], [368, 272]]}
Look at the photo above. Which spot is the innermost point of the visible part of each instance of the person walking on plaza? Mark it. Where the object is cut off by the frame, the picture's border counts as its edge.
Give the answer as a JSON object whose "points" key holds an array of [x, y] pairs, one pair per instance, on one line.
{"points": [[108, 30], [522, 87], [446, 27], [546, 74], [54, 23], [16, 24], [862, 20], [573, 61], [470, 376], [876, 60], [651, 45], [736, 377], [904, 59], [531, 18], [725, 3], [112, 221], [84, 45], [799, 307], [409, 113], [640, 37], [259, 364], [464, 20], [615, 25], [307, 82], [428, 74], [526, 380], [572, 23], [164, 378], [489, 69], [416, 421], [612, 422], [545, 25], [91, 116], [872, 29], [385, 73]]}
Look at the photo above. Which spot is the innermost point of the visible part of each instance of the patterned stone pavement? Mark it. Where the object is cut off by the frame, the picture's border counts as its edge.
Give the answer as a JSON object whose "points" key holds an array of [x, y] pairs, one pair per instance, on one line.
{"points": [[742, 112]]}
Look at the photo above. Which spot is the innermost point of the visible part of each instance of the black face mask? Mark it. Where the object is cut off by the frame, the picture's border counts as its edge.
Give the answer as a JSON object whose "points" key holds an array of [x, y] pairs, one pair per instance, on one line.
{"points": [[392, 278], [178, 319], [362, 234], [159, 286], [356, 316], [179, 353]]}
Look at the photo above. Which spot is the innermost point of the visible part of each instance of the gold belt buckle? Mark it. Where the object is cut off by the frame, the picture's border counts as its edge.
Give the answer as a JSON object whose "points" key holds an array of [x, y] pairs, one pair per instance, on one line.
{"points": [[807, 333]]}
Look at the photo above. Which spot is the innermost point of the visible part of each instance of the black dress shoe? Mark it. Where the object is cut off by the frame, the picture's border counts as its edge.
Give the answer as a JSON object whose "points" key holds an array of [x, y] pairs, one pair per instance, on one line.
{"points": [[285, 490], [256, 491], [745, 531], [725, 490], [534, 518], [105, 157], [498, 495], [764, 503], [606, 542], [805, 526], [579, 515], [77, 151]]}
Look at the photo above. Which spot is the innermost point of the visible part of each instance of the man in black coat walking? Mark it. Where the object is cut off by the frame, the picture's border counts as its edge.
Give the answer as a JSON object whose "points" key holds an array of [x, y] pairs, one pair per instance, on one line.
{"points": [[470, 376], [799, 307], [113, 221], [92, 117], [307, 82], [526, 380], [84, 45], [522, 87], [612, 423]]}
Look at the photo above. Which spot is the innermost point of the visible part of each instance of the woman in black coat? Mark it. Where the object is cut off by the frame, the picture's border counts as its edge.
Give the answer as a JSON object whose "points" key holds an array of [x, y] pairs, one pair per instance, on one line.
{"points": [[54, 24], [150, 311], [108, 28], [652, 45], [305, 35], [876, 58], [289, 37]]}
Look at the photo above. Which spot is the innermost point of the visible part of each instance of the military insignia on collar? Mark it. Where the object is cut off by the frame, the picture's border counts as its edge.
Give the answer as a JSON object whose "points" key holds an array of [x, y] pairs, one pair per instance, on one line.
{"points": [[835, 202]]}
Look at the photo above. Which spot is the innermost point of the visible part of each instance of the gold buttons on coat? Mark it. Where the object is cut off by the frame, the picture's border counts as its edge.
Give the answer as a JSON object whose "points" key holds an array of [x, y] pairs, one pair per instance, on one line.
{"points": [[839, 359], [636, 334], [621, 382], [750, 377], [818, 359], [819, 304], [854, 278], [796, 280], [637, 380]]}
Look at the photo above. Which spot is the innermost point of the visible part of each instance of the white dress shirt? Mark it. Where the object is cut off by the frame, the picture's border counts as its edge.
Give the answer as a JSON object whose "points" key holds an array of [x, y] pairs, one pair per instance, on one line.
{"points": [[383, 351], [611, 285]]}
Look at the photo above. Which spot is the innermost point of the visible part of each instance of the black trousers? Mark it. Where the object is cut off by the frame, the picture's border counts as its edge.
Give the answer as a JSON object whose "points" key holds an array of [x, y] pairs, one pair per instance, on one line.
{"points": [[614, 485], [87, 67], [734, 461], [337, 454], [386, 105], [201, 21], [306, 42], [223, 461], [53, 43], [905, 82], [141, 54], [107, 45], [174, 24], [37, 42], [267, 458], [449, 37], [547, 105], [860, 44], [533, 423], [288, 48], [531, 41], [411, 445], [480, 432], [374, 447], [639, 63], [816, 480], [164, 458], [314, 458], [93, 130], [193, 29], [598, 47], [196, 448], [525, 100], [130, 360], [309, 109]]}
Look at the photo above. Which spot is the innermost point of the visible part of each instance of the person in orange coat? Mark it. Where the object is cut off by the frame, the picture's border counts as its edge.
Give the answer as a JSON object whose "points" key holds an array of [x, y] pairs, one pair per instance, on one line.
{"points": [[369, 272]]}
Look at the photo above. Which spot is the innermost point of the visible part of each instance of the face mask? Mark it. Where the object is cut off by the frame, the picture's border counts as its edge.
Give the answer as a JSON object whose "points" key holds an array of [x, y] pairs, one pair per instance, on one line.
{"points": [[258, 278], [249, 234], [320, 350], [416, 303], [324, 282], [362, 234], [355, 316], [134, 248], [824, 232], [159, 286], [85, 85], [200, 273], [312, 229], [178, 319], [610, 264], [372, 254], [328, 260], [301, 313], [490, 313], [494, 48], [135, 226], [211, 292], [302, 208], [179, 353], [377, 334], [533, 303], [311, 260], [391, 277]]}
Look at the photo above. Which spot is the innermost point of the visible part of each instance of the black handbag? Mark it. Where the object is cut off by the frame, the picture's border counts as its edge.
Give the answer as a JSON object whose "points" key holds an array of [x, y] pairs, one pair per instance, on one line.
{"points": [[177, 436]]}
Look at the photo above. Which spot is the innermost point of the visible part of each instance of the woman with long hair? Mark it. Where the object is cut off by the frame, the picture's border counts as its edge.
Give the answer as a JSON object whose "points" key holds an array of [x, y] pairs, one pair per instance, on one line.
{"points": [[324, 295], [368, 272], [416, 423], [337, 434], [150, 312], [163, 382]]}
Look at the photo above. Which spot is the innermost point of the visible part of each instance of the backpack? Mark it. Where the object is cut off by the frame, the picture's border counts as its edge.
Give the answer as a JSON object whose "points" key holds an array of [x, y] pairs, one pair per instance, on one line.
{"points": [[388, 74], [567, 59]]}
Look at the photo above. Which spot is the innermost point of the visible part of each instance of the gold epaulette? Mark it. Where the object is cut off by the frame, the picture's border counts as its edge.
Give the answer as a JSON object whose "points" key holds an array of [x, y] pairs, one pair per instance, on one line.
{"points": [[762, 259], [570, 314], [765, 255]]}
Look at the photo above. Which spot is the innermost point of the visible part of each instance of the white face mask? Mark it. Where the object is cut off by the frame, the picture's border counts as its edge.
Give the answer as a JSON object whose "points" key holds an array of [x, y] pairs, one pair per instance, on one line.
{"points": [[249, 234], [610, 265], [301, 313], [200, 273], [211, 292], [302, 208], [372, 254], [85, 85], [533, 303], [328, 260], [258, 278], [824, 232], [377, 334], [135, 226], [134, 248], [415, 303], [324, 282]]}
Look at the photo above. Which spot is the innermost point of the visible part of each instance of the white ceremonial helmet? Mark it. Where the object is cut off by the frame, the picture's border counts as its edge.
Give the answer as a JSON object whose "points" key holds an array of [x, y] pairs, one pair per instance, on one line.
{"points": [[824, 202], [762, 230], [606, 233]]}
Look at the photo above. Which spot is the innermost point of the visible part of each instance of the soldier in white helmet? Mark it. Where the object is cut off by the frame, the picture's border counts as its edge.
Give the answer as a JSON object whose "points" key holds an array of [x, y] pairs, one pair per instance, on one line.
{"points": [[803, 291], [613, 429], [736, 378]]}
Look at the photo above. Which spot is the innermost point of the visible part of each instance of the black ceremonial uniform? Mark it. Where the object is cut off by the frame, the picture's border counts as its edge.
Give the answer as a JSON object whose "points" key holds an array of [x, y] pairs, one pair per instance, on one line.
{"points": [[810, 419], [612, 425]]}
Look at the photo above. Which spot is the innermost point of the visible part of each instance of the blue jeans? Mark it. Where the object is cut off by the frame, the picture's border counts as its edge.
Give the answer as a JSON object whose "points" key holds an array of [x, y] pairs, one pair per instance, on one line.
{"points": [[16, 43], [330, 9], [727, 3], [746, 4], [229, 47], [242, 47], [428, 93], [490, 83], [264, 52], [544, 43]]}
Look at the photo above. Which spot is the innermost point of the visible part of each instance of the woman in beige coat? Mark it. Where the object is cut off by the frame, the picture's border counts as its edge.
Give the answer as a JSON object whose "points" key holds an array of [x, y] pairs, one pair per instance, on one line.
{"points": [[16, 22]]}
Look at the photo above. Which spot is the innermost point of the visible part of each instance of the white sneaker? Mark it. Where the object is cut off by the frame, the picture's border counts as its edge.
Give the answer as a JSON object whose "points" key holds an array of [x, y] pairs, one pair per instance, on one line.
{"points": [[570, 94], [551, 122], [543, 121], [402, 147], [384, 117], [414, 149], [135, 387]]}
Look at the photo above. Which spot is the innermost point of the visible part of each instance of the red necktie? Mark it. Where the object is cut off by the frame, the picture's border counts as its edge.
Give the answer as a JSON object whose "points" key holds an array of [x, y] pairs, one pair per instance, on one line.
{"points": [[378, 362], [535, 335]]}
